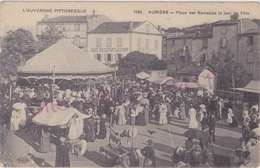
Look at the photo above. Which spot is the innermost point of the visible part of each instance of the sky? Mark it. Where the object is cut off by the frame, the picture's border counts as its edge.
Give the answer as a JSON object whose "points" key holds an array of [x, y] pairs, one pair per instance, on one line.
{"points": [[15, 14]]}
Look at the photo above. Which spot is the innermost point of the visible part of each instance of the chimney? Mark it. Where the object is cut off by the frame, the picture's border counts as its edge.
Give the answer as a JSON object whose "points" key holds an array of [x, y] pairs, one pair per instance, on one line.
{"points": [[94, 13], [45, 17], [131, 25], [159, 28], [234, 17]]}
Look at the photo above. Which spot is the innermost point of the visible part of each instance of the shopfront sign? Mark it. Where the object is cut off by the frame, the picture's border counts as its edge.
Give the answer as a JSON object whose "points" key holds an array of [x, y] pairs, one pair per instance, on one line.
{"points": [[109, 49]]}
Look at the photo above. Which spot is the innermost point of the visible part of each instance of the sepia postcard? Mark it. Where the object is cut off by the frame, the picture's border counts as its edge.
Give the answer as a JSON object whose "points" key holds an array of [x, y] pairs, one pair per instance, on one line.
{"points": [[129, 84]]}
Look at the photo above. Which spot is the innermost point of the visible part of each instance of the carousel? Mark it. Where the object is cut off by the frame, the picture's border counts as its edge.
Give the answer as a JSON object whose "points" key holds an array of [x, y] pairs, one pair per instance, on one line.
{"points": [[49, 77]]}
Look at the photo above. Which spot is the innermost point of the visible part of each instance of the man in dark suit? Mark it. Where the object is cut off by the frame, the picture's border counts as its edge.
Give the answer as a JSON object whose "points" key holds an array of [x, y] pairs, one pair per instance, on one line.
{"points": [[212, 126], [149, 155]]}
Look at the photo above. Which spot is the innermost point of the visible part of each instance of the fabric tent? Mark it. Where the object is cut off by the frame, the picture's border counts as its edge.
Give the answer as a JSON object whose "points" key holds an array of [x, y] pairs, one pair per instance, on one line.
{"points": [[143, 75], [159, 79], [251, 87], [189, 85], [53, 115], [64, 60]]}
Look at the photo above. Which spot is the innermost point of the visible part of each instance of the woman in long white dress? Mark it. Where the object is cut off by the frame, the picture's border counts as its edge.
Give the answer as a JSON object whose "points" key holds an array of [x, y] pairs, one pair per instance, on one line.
{"points": [[121, 119], [193, 122], [162, 114]]}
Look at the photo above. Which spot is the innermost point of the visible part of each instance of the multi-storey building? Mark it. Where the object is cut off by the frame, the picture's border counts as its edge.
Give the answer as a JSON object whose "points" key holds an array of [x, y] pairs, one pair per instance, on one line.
{"points": [[75, 28], [236, 38], [111, 41], [249, 47]]}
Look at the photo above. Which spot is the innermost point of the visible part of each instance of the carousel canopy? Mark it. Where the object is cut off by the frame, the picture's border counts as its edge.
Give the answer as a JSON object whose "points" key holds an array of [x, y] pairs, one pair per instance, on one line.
{"points": [[159, 79], [53, 115], [63, 58]]}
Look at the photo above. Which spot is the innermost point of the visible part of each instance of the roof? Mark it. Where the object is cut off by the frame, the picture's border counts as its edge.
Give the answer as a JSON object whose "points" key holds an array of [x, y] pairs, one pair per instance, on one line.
{"points": [[159, 79], [193, 69], [248, 26], [143, 75], [252, 87], [224, 22], [69, 19], [191, 36], [115, 27], [67, 58], [52, 115]]}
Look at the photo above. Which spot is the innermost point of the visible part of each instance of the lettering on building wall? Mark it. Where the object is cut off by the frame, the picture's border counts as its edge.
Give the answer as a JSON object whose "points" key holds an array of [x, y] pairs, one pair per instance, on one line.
{"points": [[109, 49]]}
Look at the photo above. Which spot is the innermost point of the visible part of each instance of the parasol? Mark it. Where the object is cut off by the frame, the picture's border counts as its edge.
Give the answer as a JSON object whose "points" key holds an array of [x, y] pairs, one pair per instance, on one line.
{"points": [[196, 134], [144, 101], [19, 106], [256, 132]]}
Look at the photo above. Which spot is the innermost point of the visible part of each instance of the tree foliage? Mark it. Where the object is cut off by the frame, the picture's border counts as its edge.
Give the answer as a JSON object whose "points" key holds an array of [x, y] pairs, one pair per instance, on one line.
{"points": [[17, 47], [49, 36], [229, 73], [136, 61]]}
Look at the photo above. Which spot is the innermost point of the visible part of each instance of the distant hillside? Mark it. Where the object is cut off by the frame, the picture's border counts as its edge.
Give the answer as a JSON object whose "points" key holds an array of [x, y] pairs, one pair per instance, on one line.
{"points": [[173, 30], [203, 28]]}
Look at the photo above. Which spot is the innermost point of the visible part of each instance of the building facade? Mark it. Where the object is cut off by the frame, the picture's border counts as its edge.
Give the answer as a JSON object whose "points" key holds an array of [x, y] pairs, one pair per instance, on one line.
{"points": [[236, 39], [74, 28], [111, 41], [249, 48]]}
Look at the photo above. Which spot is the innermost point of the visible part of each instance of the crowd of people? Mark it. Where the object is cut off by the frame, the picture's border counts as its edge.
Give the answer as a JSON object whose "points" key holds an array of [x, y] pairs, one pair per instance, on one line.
{"points": [[137, 103]]}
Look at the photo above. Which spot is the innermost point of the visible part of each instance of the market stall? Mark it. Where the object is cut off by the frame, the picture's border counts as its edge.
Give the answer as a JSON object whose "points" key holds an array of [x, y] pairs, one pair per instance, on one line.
{"points": [[53, 115]]}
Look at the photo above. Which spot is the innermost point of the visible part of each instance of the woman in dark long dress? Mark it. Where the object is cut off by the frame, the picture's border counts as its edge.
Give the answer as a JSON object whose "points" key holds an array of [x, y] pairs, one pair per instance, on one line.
{"points": [[62, 154], [102, 128], [90, 130], [141, 117]]}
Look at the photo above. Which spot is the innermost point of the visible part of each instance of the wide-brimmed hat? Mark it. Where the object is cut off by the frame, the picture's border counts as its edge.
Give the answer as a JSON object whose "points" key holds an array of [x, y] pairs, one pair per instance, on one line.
{"points": [[150, 142], [202, 106], [62, 139], [179, 150]]}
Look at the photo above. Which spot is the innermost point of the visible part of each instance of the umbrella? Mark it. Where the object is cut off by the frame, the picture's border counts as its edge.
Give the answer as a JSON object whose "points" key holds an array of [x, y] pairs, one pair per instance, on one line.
{"points": [[18, 106], [144, 101], [194, 133], [256, 132]]}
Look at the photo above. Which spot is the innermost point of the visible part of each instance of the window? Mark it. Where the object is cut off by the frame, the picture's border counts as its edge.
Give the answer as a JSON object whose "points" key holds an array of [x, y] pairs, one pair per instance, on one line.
{"points": [[156, 44], [258, 56], [139, 43], [119, 42], [224, 29], [109, 42], [250, 57], [77, 27], [251, 40], [223, 43], [98, 57], [146, 43], [109, 58], [173, 42], [98, 42], [203, 57], [76, 40], [117, 57], [205, 43], [147, 28], [184, 41]]}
